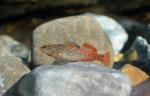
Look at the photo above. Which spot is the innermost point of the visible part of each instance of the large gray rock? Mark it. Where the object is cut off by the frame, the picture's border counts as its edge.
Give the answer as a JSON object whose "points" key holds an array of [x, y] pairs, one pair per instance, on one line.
{"points": [[78, 29], [75, 79], [1, 94], [114, 30], [11, 47], [11, 70]]}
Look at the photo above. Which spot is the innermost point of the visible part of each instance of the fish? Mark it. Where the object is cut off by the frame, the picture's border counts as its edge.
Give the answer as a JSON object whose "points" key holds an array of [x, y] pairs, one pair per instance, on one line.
{"points": [[72, 52]]}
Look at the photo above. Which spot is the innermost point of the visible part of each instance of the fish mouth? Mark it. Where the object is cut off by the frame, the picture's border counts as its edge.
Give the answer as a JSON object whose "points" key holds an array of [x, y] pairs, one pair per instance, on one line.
{"points": [[42, 48]]}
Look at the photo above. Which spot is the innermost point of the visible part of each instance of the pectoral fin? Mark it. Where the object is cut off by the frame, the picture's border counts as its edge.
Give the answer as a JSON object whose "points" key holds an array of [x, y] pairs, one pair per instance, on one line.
{"points": [[71, 45]]}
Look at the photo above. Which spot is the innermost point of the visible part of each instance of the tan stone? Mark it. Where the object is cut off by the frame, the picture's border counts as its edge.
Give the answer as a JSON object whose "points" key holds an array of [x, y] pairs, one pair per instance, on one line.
{"points": [[11, 70], [78, 29], [135, 74]]}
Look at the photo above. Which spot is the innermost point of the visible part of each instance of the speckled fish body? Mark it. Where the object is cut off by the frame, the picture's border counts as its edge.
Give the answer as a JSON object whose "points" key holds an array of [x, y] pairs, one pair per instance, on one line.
{"points": [[73, 52], [62, 52]]}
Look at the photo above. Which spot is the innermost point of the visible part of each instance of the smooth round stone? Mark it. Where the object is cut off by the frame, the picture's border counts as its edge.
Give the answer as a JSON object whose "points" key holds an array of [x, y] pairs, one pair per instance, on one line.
{"points": [[78, 29], [75, 79]]}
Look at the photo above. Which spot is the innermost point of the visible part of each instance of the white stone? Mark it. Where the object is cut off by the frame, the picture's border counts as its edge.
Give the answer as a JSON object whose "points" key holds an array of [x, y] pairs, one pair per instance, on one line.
{"points": [[113, 29]]}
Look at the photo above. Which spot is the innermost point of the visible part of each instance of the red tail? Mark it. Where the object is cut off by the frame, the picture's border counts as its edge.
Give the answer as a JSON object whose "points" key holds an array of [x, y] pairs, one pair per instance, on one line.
{"points": [[105, 58]]}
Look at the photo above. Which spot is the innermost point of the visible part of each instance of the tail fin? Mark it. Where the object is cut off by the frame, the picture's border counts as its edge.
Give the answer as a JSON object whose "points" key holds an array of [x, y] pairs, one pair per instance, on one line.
{"points": [[105, 58]]}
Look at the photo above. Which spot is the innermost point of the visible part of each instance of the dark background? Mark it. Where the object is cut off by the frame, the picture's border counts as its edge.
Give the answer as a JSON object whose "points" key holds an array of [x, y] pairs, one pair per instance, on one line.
{"points": [[18, 18]]}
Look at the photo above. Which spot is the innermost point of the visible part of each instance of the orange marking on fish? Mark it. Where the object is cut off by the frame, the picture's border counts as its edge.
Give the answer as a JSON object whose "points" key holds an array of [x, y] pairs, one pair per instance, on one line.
{"points": [[104, 58], [88, 46]]}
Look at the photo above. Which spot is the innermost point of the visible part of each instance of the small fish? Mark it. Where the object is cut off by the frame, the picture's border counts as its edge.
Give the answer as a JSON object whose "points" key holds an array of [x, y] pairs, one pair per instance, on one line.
{"points": [[73, 52]]}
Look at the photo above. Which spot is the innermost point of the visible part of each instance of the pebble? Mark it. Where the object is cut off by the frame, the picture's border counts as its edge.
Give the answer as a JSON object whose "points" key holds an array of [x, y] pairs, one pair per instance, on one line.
{"points": [[135, 74]]}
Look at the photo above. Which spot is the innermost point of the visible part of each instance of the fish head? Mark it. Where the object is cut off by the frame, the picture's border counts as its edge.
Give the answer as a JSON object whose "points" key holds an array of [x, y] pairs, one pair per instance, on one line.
{"points": [[49, 49]]}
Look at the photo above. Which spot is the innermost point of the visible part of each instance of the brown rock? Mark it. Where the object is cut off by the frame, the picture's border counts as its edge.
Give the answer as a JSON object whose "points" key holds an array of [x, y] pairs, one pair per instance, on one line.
{"points": [[135, 74], [78, 29], [11, 70], [141, 89]]}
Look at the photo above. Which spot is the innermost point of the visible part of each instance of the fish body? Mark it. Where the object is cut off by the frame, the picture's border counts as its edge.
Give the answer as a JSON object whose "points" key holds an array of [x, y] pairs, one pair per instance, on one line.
{"points": [[73, 52]]}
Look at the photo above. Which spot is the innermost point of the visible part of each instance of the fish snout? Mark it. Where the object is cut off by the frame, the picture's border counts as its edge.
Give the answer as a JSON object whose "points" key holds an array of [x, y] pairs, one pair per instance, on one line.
{"points": [[42, 48]]}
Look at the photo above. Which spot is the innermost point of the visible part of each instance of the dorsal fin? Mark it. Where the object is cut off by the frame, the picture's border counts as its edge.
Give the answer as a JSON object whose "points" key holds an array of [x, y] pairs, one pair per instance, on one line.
{"points": [[88, 46], [71, 45]]}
